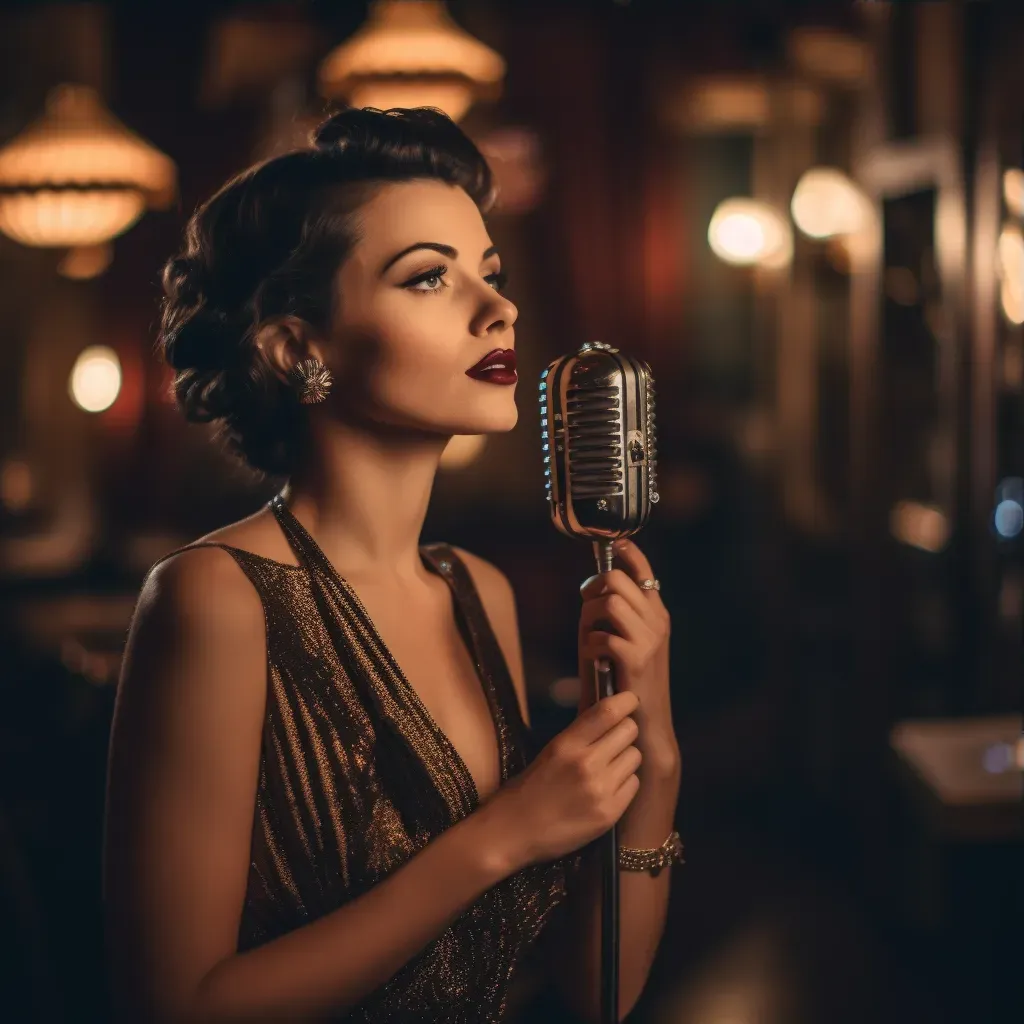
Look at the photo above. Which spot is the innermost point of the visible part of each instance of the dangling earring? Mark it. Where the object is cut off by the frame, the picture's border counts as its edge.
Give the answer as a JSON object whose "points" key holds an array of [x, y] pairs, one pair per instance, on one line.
{"points": [[311, 379]]}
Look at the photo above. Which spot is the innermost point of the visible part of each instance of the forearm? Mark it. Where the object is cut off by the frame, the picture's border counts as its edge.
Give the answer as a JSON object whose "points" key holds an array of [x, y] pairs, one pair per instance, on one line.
{"points": [[331, 964], [643, 902]]}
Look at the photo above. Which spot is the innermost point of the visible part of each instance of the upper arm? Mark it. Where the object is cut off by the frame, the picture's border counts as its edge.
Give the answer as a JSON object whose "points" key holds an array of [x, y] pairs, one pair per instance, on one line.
{"points": [[499, 602], [182, 778]]}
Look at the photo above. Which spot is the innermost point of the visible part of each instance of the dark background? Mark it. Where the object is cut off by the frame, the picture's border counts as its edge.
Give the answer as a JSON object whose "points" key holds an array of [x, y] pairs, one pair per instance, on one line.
{"points": [[826, 881]]}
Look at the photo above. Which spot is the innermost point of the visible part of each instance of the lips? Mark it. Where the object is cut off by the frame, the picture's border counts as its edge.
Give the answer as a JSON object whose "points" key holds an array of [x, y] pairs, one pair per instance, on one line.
{"points": [[497, 367]]}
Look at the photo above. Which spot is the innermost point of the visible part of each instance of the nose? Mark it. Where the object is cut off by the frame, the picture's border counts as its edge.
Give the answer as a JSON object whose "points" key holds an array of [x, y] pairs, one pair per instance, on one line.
{"points": [[497, 313]]}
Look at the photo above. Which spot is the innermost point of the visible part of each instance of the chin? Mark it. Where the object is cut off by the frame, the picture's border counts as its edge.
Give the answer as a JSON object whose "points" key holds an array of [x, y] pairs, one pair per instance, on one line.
{"points": [[492, 425], [504, 422], [496, 416]]}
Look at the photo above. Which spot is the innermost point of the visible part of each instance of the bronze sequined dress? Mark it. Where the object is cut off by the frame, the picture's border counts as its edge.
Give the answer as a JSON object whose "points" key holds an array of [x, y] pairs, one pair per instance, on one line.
{"points": [[356, 777]]}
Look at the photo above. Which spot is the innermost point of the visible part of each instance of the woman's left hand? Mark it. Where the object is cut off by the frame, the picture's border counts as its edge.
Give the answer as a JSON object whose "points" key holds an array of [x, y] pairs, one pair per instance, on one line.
{"points": [[631, 627]]}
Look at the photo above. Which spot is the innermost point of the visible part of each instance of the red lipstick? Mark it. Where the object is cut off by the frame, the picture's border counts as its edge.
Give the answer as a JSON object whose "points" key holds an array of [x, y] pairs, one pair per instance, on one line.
{"points": [[497, 367]]}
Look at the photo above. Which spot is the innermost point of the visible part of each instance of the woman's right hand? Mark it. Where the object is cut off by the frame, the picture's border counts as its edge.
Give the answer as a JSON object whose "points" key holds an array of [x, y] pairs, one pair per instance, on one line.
{"points": [[576, 788]]}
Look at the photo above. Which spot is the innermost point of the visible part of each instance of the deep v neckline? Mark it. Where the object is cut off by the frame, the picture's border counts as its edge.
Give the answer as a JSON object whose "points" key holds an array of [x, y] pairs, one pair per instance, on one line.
{"points": [[443, 567]]}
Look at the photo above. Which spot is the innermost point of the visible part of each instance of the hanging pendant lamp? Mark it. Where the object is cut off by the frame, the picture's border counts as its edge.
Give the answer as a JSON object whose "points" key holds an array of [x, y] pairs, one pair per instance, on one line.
{"points": [[409, 53], [78, 177]]}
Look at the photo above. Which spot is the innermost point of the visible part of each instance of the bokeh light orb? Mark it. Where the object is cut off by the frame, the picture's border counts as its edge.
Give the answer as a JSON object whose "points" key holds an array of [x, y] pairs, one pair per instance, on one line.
{"points": [[95, 380], [1013, 190], [746, 231], [1009, 518], [827, 203]]}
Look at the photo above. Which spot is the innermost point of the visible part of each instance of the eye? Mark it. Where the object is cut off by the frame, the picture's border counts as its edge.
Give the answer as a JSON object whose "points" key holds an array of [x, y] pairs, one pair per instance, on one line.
{"points": [[432, 278], [497, 280]]}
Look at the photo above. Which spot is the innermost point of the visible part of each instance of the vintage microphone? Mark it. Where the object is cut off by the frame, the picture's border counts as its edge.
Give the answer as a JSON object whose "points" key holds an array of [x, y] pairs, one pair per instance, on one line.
{"points": [[597, 430]]}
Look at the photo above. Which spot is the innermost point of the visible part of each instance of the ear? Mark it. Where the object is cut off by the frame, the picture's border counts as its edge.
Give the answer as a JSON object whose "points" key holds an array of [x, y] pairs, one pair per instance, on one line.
{"points": [[287, 341]]}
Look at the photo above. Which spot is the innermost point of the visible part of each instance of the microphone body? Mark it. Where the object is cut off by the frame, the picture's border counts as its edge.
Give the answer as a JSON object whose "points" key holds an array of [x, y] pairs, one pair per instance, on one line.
{"points": [[598, 439]]}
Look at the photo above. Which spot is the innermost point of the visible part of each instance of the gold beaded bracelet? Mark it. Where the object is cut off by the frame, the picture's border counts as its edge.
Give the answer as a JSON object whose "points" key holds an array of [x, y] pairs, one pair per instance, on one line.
{"points": [[670, 852]]}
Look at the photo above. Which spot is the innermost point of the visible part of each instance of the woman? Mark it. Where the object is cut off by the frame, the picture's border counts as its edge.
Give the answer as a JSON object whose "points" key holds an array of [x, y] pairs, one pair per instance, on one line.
{"points": [[320, 803]]}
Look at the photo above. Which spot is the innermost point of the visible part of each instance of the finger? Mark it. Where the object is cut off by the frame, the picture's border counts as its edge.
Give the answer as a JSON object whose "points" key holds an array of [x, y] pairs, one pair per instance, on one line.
{"points": [[603, 715], [617, 581], [615, 614], [606, 748], [626, 656], [635, 562], [625, 763], [624, 797]]}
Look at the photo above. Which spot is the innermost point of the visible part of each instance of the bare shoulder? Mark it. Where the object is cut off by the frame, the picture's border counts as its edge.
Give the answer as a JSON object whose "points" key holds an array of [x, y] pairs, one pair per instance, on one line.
{"points": [[182, 777], [204, 574], [197, 637], [499, 601], [198, 633]]}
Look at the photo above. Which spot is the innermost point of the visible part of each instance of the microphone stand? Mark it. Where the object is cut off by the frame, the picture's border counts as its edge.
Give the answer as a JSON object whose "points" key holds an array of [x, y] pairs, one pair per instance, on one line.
{"points": [[604, 675]]}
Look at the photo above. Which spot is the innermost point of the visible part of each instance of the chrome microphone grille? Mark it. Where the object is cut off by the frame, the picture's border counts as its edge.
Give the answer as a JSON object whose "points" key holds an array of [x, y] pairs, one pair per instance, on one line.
{"points": [[594, 434], [597, 440]]}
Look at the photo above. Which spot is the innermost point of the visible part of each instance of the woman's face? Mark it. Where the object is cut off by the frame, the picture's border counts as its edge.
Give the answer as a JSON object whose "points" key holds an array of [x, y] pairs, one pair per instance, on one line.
{"points": [[419, 304]]}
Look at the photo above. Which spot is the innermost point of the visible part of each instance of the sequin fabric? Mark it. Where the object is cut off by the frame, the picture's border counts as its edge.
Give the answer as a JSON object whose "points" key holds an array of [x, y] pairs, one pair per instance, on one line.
{"points": [[356, 777]]}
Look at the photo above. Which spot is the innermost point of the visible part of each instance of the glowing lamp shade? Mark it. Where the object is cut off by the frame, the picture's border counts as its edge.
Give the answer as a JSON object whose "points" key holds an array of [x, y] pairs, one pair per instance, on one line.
{"points": [[746, 231], [95, 379], [78, 177], [61, 218], [409, 53], [827, 203]]}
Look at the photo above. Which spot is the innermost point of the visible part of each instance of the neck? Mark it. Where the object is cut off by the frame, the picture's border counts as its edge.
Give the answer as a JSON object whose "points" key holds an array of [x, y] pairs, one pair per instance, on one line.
{"points": [[363, 498]]}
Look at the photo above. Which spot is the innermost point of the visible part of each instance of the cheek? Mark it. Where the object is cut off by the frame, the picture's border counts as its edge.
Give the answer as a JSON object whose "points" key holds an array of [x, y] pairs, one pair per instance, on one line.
{"points": [[423, 343], [406, 361], [412, 355]]}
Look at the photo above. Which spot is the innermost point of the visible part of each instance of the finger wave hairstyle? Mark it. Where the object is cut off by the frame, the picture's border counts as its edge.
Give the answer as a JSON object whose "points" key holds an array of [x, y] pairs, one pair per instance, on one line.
{"points": [[268, 244]]}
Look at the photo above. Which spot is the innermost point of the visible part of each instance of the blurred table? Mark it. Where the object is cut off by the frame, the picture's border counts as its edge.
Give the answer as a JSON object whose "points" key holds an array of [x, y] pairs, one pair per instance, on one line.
{"points": [[949, 767], [962, 843]]}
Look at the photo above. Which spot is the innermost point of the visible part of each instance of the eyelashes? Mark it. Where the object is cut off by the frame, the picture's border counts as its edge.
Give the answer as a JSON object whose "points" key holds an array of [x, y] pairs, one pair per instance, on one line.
{"points": [[497, 280]]}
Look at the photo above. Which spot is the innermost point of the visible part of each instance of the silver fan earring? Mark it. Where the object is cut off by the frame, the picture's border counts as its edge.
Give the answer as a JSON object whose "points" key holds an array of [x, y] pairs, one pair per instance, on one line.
{"points": [[311, 379]]}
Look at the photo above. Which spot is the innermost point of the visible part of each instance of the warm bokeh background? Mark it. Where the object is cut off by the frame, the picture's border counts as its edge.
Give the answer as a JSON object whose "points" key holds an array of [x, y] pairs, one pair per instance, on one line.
{"points": [[841, 452]]}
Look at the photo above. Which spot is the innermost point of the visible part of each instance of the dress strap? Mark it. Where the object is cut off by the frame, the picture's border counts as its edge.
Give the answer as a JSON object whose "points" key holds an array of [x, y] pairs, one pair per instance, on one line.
{"points": [[516, 741], [305, 549], [393, 705], [490, 657]]}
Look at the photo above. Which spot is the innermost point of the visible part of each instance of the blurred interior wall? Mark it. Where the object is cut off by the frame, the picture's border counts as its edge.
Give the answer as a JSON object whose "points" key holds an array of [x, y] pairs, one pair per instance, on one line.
{"points": [[47, 320]]}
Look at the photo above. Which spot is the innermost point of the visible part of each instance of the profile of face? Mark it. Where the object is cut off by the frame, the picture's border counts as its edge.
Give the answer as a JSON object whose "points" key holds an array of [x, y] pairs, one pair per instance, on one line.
{"points": [[418, 303]]}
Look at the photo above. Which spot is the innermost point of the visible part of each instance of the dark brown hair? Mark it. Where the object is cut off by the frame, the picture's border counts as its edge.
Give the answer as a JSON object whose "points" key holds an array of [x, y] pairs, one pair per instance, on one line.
{"points": [[268, 244]]}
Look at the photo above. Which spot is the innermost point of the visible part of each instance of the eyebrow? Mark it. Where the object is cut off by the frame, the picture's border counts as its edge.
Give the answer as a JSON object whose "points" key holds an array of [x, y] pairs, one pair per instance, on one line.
{"points": [[444, 250]]}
